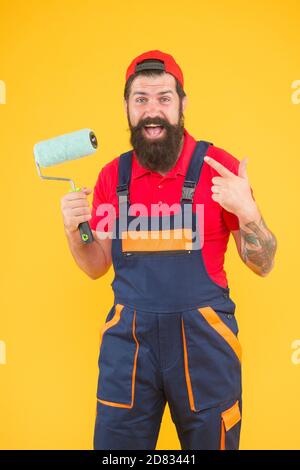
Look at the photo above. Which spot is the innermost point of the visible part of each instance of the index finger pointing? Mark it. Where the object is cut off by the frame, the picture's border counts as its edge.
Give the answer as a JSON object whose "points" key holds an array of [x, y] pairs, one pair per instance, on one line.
{"points": [[218, 166]]}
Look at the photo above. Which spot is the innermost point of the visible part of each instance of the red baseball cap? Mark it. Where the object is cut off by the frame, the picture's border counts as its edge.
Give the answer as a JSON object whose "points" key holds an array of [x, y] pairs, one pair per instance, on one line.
{"points": [[148, 61]]}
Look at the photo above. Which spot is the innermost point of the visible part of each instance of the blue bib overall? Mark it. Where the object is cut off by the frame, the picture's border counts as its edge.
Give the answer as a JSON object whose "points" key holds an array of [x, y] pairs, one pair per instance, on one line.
{"points": [[171, 335]]}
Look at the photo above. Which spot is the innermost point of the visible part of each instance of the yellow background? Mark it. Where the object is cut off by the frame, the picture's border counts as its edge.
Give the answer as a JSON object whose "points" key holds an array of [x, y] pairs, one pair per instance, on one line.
{"points": [[63, 63]]}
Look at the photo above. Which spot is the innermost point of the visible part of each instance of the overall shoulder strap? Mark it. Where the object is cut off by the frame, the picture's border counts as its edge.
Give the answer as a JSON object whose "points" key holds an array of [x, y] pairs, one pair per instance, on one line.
{"points": [[124, 174], [193, 171]]}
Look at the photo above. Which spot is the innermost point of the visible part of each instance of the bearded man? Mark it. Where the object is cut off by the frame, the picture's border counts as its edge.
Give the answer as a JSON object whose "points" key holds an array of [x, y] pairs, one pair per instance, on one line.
{"points": [[171, 335]]}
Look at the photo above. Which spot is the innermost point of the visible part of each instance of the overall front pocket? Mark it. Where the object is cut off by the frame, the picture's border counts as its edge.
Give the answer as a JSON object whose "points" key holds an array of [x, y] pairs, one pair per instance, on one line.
{"points": [[212, 358], [118, 359], [225, 325]]}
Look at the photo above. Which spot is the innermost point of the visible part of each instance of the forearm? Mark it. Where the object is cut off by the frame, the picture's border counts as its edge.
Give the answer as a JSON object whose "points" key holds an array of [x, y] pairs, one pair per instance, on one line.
{"points": [[258, 243], [89, 257]]}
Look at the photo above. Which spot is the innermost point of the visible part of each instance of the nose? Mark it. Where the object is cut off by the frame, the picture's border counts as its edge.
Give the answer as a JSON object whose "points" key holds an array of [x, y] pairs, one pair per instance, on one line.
{"points": [[152, 110]]}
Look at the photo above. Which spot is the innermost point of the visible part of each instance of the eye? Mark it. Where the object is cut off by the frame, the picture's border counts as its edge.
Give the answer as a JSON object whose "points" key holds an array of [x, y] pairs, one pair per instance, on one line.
{"points": [[166, 98], [139, 99]]}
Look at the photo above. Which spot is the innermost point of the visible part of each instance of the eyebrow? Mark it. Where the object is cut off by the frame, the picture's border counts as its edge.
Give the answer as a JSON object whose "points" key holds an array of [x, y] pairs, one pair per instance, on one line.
{"points": [[144, 93]]}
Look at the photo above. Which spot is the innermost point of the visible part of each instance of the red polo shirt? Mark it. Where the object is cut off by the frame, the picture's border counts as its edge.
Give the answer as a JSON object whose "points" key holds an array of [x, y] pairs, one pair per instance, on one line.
{"points": [[148, 187]]}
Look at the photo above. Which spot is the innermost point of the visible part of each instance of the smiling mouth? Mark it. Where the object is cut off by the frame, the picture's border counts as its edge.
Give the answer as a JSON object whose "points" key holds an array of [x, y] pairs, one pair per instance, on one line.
{"points": [[154, 131]]}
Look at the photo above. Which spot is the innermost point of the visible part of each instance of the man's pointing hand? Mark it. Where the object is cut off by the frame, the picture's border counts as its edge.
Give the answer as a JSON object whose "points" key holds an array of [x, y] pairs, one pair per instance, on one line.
{"points": [[232, 192]]}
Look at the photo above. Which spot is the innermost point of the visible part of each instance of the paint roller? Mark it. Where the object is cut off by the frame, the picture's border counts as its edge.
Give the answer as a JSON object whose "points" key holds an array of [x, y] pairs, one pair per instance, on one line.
{"points": [[61, 149]]}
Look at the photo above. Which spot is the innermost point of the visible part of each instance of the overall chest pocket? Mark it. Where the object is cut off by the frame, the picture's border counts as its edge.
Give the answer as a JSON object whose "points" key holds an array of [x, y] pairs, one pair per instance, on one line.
{"points": [[118, 356], [157, 243], [212, 357]]}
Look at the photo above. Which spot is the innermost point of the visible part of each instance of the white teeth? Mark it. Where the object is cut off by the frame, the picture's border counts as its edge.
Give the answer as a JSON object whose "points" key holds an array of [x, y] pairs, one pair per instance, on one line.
{"points": [[153, 125]]}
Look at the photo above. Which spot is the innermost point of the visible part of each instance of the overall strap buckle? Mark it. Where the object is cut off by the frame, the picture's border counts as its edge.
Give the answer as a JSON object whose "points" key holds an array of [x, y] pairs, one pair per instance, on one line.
{"points": [[124, 174], [188, 190], [193, 171], [123, 192]]}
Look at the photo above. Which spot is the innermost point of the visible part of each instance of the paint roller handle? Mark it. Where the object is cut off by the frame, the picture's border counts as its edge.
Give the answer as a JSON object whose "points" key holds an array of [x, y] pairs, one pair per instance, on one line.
{"points": [[85, 232]]}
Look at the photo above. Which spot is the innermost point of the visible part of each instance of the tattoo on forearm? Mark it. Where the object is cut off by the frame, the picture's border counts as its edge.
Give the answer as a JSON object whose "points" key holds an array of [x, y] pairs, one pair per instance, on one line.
{"points": [[258, 245]]}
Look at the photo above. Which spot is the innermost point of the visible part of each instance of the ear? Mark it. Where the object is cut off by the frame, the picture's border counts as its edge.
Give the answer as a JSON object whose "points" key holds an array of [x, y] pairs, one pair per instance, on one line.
{"points": [[184, 103], [125, 106]]}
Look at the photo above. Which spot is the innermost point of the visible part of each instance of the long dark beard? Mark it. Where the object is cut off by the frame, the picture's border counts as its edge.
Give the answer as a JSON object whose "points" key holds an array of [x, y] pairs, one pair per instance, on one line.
{"points": [[160, 154]]}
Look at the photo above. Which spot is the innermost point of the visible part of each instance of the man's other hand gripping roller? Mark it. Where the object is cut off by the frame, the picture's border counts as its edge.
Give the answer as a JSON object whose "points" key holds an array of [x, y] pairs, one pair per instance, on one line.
{"points": [[60, 149]]}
